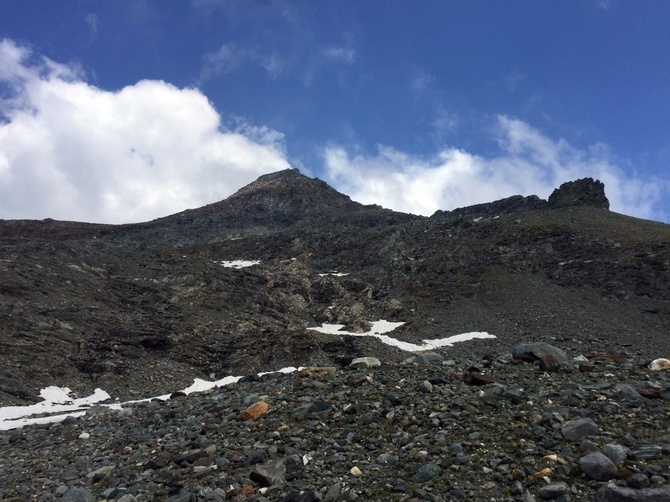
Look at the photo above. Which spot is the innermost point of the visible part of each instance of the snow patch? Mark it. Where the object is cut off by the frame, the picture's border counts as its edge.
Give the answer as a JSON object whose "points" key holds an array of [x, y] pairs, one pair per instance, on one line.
{"points": [[380, 327], [239, 263], [336, 274]]}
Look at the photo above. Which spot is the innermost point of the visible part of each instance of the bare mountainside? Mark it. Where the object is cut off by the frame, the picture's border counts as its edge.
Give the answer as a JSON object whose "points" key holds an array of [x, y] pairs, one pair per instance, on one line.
{"points": [[144, 308]]}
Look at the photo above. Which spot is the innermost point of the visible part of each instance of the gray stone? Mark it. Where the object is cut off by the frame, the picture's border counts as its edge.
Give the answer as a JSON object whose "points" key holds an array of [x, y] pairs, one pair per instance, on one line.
{"points": [[427, 472], [77, 495], [597, 466], [615, 493], [528, 497], [270, 473], [257, 456], [616, 453], [588, 446], [517, 488], [333, 493], [428, 357], [531, 352], [183, 496], [627, 393], [426, 386], [250, 399], [649, 452], [124, 413], [579, 428], [638, 480], [387, 458], [553, 490]]}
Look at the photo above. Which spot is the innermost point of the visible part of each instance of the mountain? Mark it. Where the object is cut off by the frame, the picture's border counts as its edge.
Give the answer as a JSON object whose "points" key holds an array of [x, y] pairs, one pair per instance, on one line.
{"points": [[150, 306]]}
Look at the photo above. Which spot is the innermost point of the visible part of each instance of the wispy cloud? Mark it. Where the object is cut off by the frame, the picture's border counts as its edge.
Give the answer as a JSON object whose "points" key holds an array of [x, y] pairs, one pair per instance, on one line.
{"points": [[512, 80], [229, 57], [226, 59], [603, 4], [528, 163], [345, 55], [331, 56], [421, 80], [92, 23], [69, 150], [239, 10]]}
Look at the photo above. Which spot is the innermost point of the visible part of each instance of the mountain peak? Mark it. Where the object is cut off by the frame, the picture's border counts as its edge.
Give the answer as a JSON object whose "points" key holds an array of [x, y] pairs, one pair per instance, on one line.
{"points": [[288, 189]]}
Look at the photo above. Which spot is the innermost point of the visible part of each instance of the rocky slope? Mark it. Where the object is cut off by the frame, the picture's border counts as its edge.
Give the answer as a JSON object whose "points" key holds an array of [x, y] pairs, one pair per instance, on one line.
{"points": [[150, 306], [565, 427]]}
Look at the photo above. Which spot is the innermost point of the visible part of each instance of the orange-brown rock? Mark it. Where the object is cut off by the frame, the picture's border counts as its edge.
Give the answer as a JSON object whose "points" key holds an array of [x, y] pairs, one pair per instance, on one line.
{"points": [[255, 410]]}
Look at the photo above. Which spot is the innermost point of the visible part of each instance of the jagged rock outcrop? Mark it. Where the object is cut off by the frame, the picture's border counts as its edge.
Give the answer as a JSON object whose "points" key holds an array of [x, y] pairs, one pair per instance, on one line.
{"points": [[583, 192], [578, 193]]}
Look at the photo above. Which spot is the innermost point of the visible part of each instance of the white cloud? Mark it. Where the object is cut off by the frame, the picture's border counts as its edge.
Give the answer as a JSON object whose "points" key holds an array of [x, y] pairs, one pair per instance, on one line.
{"points": [[528, 163], [69, 150]]}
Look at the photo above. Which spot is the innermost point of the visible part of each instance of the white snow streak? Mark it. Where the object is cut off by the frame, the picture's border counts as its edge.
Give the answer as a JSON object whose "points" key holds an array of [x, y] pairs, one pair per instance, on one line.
{"points": [[239, 263], [381, 326]]}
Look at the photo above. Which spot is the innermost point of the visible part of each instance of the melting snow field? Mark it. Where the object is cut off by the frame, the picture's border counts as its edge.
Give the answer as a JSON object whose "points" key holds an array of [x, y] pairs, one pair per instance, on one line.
{"points": [[57, 400], [381, 326], [57, 403]]}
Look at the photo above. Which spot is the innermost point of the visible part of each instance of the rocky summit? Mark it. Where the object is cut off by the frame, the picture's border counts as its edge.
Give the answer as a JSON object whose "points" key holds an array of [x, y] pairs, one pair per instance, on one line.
{"points": [[563, 404]]}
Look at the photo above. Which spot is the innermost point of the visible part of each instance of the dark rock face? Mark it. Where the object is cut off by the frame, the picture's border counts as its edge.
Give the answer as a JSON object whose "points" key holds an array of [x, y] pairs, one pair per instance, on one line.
{"points": [[142, 309], [514, 204], [584, 192]]}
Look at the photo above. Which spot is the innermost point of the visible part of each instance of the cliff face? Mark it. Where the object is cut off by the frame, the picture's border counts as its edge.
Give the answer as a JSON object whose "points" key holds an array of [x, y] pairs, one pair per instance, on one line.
{"points": [[152, 305]]}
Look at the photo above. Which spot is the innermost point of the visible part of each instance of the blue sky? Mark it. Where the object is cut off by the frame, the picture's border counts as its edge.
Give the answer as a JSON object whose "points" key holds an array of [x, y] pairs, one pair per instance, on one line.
{"points": [[127, 111]]}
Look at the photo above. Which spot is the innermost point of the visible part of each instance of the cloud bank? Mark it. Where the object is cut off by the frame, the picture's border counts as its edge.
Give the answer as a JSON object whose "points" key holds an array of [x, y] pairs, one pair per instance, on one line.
{"points": [[71, 151], [528, 163]]}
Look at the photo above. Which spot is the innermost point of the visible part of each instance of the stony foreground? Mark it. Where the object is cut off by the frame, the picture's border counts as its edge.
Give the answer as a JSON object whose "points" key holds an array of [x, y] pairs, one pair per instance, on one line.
{"points": [[594, 428]]}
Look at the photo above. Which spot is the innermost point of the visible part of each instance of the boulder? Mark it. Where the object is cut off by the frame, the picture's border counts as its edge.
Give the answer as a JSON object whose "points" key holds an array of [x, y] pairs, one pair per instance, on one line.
{"points": [[428, 357], [660, 364], [579, 428], [531, 352], [255, 410], [269, 473], [597, 466]]}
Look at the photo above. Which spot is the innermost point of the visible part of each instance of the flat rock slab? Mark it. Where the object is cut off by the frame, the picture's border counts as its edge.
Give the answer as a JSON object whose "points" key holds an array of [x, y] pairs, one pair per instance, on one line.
{"points": [[615, 493], [579, 428], [365, 362]]}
